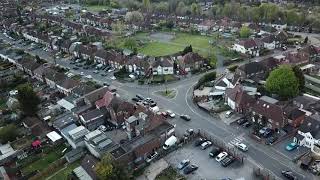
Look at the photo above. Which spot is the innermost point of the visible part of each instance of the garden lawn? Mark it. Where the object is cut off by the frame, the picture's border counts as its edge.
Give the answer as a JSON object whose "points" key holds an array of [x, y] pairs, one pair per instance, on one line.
{"points": [[96, 8], [160, 49], [44, 160], [65, 171]]}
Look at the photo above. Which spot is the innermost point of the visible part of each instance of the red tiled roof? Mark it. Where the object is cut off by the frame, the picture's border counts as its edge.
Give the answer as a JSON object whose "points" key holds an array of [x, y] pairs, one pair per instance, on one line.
{"points": [[105, 101]]}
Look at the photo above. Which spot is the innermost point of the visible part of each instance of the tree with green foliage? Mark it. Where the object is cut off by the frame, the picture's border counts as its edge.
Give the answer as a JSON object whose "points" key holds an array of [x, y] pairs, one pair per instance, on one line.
{"points": [[206, 78], [283, 82], [213, 60], [8, 133], [187, 50], [130, 43], [195, 9], [244, 32], [146, 5], [28, 100], [300, 76], [118, 27], [162, 7], [233, 68], [107, 168], [181, 9], [134, 17]]}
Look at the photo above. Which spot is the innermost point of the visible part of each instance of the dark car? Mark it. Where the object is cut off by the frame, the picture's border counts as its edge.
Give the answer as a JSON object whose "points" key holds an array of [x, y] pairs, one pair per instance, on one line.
{"points": [[75, 68], [270, 140], [153, 104], [189, 169], [214, 152], [135, 99], [185, 117], [241, 121], [246, 124], [267, 133], [199, 141], [289, 175], [140, 97], [227, 161]]}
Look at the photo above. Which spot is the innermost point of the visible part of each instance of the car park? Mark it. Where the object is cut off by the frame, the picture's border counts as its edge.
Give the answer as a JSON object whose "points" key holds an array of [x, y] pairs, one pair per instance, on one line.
{"points": [[242, 147], [221, 156], [241, 121], [227, 161], [292, 146], [214, 152], [205, 145], [185, 117], [171, 114], [190, 168], [270, 140], [152, 156], [199, 141], [183, 164], [289, 175]]}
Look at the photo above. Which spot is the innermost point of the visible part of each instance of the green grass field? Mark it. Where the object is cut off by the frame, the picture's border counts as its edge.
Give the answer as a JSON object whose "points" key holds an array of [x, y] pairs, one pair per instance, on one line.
{"points": [[96, 8], [160, 48]]}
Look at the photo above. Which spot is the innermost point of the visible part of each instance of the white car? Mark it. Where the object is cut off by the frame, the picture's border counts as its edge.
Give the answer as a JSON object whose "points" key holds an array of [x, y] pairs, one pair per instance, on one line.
{"points": [[242, 147], [221, 156], [171, 114], [205, 145], [82, 73], [102, 128], [151, 156], [113, 78]]}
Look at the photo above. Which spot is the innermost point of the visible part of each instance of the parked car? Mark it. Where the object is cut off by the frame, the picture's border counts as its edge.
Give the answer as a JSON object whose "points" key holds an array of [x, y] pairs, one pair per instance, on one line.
{"points": [[189, 169], [153, 104], [270, 140], [171, 114], [221, 156], [242, 147], [227, 161], [246, 124], [229, 114], [102, 128], [140, 97], [205, 145], [292, 146], [163, 113], [151, 156], [113, 78], [214, 152], [75, 68], [183, 164], [199, 141], [188, 132], [265, 132], [106, 84], [135, 99], [241, 121], [103, 75], [185, 117], [289, 175]]}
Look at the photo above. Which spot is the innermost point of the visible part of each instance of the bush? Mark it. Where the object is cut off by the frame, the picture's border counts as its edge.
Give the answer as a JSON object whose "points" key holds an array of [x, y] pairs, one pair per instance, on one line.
{"points": [[233, 68], [206, 78], [8, 133]]}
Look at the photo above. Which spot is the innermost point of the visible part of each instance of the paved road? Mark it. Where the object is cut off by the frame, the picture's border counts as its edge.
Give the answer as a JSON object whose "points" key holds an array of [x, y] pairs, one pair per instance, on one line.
{"points": [[182, 104]]}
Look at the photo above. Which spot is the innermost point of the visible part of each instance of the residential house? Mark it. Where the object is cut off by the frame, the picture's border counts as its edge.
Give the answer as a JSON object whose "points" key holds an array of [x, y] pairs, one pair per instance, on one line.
{"points": [[191, 61], [296, 58], [137, 65], [308, 135], [86, 170], [250, 70], [7, 72], [266, 112], [282, 37], [270, 42], [42, 70], [116, 59], [93, 119], [7, 153], [294, 115], [238, 99], [269, 63], [98, 143], [28, 66], [163, 66], [74, 135], [248, 46], [205, 25], [100, 56]]}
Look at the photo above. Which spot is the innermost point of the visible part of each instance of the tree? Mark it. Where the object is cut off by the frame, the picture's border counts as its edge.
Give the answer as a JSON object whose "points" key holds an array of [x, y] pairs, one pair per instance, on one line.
{"points": [[283, 82], [245, 32], [8, 133], [213, 60], [172, 5], [187, 50], [134, 17], [299, 75], [28, 100], [306, 40], [181, 9], [146, 5], [233, 68], [109, 169], [117, 27], [195, 9], [162, 7], [130, 43]]}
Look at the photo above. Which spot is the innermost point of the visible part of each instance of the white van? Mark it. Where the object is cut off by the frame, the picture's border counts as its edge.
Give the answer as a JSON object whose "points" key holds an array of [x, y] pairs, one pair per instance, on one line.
{"points": [[170, 142]]}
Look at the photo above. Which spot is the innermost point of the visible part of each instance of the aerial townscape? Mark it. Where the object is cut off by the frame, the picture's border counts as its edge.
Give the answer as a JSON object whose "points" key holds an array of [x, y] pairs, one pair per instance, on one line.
{"points": [[159, 89]]}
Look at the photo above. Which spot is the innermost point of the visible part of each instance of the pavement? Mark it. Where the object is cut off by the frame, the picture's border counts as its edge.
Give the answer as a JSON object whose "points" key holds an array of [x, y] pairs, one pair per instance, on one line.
{"points": [[258, 154]]}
